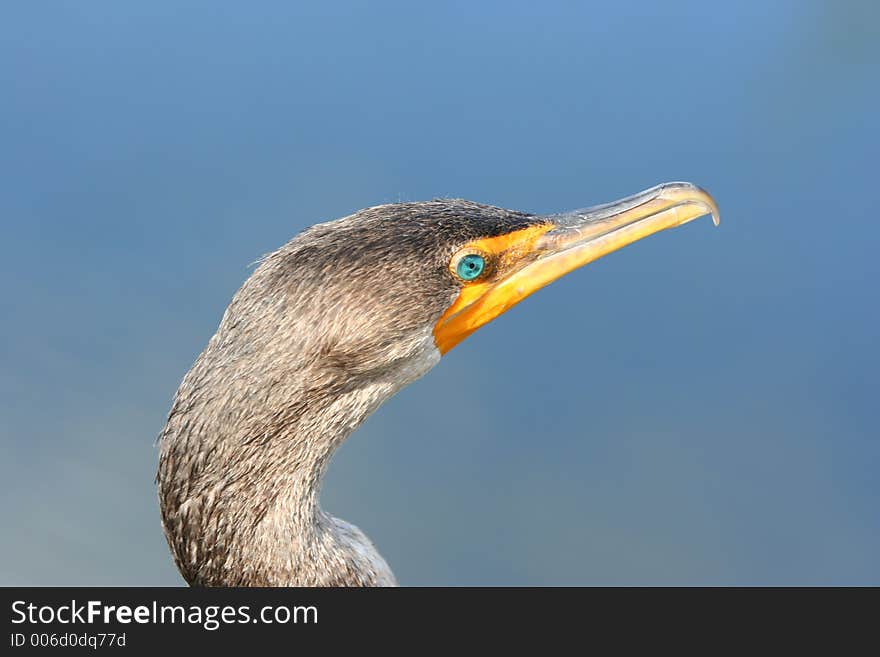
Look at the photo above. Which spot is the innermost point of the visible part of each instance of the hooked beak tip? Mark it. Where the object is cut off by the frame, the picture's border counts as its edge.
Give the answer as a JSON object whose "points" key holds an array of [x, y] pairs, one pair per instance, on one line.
{"points": [[685, 193]]}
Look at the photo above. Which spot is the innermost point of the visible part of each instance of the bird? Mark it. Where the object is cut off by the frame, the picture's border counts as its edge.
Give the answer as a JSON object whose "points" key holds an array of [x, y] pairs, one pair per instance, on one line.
{"points": [[324, 330]]}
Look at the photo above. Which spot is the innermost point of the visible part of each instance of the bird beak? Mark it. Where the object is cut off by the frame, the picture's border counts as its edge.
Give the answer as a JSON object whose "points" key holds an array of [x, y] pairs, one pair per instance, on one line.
{"points": [[531, 258]]}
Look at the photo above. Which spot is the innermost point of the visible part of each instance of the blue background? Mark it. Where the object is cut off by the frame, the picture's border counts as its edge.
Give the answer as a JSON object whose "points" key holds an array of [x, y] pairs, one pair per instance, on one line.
{"points": [[699, 408]]}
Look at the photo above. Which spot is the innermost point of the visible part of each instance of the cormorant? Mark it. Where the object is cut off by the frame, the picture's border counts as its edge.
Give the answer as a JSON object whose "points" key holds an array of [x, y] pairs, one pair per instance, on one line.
{"points": [[327, 328]]}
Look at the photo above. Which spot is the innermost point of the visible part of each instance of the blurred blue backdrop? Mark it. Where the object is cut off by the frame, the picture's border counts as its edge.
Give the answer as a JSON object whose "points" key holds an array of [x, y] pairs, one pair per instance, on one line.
{"points": [[699, 408]]}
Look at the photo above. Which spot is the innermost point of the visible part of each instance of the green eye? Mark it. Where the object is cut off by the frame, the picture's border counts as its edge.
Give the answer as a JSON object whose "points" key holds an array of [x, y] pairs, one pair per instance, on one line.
{"points": [[470, 266]]}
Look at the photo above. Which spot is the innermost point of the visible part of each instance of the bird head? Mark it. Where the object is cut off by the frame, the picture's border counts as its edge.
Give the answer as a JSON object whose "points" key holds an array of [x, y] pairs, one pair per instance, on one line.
{"points": [[390, 288]]}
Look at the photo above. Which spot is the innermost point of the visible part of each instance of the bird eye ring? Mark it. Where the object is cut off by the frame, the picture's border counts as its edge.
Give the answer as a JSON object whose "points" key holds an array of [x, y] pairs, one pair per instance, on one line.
{"points": [[469, 266]]}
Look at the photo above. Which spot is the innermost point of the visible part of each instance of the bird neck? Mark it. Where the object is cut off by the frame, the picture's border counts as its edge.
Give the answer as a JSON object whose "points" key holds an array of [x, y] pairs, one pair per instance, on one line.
{"points": [[239, 487]]}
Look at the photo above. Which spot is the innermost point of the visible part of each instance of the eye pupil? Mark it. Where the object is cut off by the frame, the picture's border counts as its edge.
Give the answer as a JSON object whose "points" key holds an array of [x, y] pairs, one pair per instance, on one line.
{"points": [[470, 266]]}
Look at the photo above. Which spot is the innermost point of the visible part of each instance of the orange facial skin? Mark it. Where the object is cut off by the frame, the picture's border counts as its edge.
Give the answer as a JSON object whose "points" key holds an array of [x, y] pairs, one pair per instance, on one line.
{"points": [[476, 304]]}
